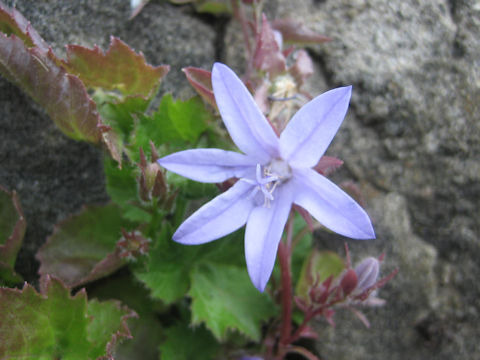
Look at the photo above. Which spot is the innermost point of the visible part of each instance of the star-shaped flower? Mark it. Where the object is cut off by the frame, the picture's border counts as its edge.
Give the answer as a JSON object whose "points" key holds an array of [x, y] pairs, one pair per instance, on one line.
{"points": [[274, 173]]}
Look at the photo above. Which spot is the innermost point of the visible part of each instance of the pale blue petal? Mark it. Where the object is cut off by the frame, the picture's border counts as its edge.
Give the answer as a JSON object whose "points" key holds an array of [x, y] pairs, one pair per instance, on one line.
{"points": [[247, 126], [263, 233], [219, 217], [209, 165], [331, 206], [312, 128]]}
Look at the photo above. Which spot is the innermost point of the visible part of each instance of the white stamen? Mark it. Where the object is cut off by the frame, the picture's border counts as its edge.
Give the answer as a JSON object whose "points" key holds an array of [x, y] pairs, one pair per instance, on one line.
{"points": [[266, 181]]}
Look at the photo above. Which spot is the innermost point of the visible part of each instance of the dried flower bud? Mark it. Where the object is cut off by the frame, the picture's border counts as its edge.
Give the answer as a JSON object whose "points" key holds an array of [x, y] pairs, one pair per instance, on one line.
{"points": [[367, 273], [132, 245]]}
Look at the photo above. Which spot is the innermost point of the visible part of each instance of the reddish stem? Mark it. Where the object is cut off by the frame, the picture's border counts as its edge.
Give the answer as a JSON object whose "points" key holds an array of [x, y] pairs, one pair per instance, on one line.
{"points": [[286, 292], [284, 255], [239, 14]]}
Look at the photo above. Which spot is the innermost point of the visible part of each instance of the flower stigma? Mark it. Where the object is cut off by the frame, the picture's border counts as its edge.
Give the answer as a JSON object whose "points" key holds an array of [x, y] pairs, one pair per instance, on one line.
{"points": [[268, 178]]}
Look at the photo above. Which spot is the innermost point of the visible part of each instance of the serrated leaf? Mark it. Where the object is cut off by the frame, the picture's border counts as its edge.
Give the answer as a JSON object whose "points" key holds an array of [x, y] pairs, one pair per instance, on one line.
{"points": [[166, 271], [119, 68], [28, 62], [13, 22], [318, 267], [186, 343], [121, 183], [169, 264], [189, 118], [146, 328], [83, 247], [53, 325], [62, 95], [119, 112], [224, 298], [108, 326], [147, 334], [176, 123]]}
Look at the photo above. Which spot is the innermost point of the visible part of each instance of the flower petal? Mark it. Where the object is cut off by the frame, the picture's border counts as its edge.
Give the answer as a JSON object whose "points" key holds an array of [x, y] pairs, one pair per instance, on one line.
{"points": [[209, 165], [331, 206], [247, 126], [263, 233], [219, 217], [313, 127]]}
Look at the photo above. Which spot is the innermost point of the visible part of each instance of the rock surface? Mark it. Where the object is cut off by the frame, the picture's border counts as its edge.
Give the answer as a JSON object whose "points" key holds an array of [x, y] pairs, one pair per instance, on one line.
{"points": [[411, 141]]}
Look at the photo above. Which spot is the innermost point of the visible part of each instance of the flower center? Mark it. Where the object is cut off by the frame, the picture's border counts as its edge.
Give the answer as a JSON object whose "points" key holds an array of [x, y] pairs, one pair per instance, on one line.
{"points": [[268, 178]]}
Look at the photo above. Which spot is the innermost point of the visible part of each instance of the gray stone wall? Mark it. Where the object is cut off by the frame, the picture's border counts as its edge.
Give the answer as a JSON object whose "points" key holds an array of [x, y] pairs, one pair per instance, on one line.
{"points": [[411, 141]]}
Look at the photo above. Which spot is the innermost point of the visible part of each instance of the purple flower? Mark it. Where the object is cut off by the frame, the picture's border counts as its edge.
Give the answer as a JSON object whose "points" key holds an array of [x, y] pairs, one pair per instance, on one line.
{"points": [[274, 172]]}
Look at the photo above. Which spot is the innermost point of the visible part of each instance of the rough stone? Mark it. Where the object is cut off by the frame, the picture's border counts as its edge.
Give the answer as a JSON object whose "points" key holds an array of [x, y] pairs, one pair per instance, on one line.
{"points": [[413, 130]]}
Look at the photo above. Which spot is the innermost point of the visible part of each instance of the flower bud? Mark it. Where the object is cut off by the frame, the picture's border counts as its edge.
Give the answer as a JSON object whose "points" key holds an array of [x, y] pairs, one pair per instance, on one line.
{"points": [[151, 174], [367, 273], [349, 282]]}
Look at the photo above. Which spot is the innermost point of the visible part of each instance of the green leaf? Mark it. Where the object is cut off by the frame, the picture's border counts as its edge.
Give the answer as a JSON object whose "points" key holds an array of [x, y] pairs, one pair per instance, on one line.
{"points": [[186, 343], [12, 231], [214, 7], [53, 325], [121, 183], [120, 68], [83, 247], [316, 268], [167, 269], [176, 123], [192, 189], [107, 327], [119, 112], [146, 328], [147, 334], [224, 298]]}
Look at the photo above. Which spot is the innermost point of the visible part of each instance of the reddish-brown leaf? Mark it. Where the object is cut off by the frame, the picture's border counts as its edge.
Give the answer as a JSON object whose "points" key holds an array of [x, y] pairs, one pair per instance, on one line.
{"points": [[62, 95], [13, 22], [83, 247], [268, 55], [201, 80], [119, 68], [295, 32]]}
